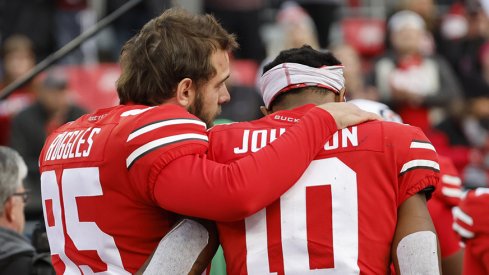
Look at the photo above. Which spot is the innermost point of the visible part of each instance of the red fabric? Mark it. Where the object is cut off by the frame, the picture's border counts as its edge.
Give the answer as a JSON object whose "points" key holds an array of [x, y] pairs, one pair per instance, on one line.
{"points": [[446, 196], [238, 186], [107, 174], [93, 85], [373, 157], [366, 35], [71, 5], [457, 153], [11, 106], [475, 205], [449, 190], [415, 116], [442, 218]]}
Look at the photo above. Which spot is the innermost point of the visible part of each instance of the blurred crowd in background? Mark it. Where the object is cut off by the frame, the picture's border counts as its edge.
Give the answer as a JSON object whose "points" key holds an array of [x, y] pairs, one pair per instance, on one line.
{"points": [[428, 60]]}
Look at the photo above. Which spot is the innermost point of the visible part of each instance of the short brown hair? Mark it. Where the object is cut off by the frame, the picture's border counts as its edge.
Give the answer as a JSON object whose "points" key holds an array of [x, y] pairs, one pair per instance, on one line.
{"points": [[169, 48]]}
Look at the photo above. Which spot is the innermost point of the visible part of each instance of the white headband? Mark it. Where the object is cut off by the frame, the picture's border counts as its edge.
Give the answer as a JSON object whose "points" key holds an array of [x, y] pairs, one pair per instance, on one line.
{"points": [[286, 76]]}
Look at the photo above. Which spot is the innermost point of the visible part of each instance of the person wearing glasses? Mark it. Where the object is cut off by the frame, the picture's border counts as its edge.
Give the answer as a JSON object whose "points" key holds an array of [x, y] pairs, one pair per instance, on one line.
{"points": [[16, 252]]}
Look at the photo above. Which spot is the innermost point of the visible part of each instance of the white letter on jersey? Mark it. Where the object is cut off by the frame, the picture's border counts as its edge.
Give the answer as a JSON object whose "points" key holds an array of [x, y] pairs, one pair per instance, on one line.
{"points": [[346, 136], [257, 144], [244, 147], [90, 141]]}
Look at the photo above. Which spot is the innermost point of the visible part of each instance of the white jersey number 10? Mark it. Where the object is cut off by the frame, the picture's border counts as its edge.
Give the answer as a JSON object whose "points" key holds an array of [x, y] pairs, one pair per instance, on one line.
{"points": [[343, 183]]}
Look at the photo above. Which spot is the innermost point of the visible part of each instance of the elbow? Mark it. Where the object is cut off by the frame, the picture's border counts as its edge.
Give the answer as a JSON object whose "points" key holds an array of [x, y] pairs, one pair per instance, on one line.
{"points": [[239, 208]]}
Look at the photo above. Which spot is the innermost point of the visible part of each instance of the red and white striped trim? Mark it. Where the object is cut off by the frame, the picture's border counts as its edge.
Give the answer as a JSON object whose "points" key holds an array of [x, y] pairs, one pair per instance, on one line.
{"points": [[150, 146], [451, 180], [418, 144], [461, 215], [162, 123], [451, 192], [420, 163]]}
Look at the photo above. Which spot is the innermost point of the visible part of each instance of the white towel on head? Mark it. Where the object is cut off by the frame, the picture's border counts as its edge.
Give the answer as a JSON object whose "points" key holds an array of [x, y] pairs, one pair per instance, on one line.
{"points": [[286, 76]]}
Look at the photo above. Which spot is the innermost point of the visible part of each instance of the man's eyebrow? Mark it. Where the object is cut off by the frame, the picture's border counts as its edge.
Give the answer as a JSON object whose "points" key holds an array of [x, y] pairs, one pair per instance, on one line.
{"points": [[224, 80]]}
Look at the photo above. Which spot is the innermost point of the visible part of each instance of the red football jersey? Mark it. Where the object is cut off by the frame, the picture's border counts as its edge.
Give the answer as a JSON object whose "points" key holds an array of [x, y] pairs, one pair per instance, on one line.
{"points": [[472, 224], [450, 187], [340, 217], [446, 196], [110, 179]]}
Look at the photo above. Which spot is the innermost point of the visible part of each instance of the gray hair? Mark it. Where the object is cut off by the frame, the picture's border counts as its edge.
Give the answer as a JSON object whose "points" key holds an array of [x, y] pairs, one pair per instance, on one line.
{"points": [[12, 171]]}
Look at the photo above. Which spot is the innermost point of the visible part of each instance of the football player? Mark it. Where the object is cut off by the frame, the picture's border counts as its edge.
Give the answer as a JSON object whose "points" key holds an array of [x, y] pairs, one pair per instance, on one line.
{"points": [[359, 204], [472, 224], [112, 181]]}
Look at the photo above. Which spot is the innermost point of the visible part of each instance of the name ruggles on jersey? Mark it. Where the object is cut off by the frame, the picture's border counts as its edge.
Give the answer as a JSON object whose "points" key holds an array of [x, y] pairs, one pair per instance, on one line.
{"points": [[72, 144]]}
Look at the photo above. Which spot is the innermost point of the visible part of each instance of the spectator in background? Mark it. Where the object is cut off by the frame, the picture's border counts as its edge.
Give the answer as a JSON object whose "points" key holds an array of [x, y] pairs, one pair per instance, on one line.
{"points": [[295, 28], [469, 126], [128, 24], [409, 81], [463, 30], [31, 127], [16, 253], [424, 8], [243, 19], [476, 84], [68, 25], [18, 58], [32, 18], [324, 14], [356, 86]]}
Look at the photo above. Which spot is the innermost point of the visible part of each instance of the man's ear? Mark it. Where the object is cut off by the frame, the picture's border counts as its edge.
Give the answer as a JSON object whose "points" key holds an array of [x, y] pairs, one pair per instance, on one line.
{"points": [[8, 208], [265, 111], [341, 96], [186, 92]]}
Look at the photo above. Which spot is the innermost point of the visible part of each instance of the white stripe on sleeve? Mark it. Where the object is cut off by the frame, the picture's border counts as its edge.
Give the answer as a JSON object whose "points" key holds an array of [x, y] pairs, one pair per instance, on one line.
{"points": [[422, 145], [419, 163], [461, 215], [163, 123], [462, 231], [160, 142], [451, 192], [452, 180]]}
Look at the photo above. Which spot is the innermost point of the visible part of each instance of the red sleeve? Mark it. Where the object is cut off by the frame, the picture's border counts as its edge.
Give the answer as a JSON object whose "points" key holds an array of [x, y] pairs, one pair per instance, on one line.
{"points": [[196, 186], [417, 162], [472, 263], [158, 136], [471, 222], [449, 190]]}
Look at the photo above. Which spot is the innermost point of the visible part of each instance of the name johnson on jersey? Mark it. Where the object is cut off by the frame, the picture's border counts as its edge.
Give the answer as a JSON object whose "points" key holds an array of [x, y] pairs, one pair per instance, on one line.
{"points": [[254, 140]]}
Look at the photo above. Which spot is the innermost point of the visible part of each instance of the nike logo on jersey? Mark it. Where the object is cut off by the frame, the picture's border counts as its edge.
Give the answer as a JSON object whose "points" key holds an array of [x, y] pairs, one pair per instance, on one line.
{"points": [[72, 144]]}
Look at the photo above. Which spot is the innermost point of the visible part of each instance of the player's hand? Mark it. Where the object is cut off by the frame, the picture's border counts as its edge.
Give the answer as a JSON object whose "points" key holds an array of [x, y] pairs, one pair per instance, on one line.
{"points": [[347, 114]]}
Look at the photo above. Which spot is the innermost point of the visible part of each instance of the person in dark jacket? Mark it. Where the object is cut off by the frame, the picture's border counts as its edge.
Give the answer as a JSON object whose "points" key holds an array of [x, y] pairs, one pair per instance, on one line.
{"points": [[52, 108], [16, 253]]}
